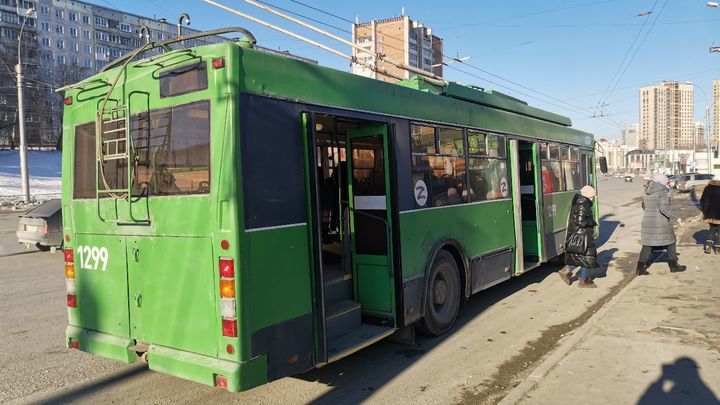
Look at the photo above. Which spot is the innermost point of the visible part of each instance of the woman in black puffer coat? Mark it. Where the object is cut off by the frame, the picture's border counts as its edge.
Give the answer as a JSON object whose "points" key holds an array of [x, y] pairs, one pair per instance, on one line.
{"points": [[710, 203], [579, 239]]}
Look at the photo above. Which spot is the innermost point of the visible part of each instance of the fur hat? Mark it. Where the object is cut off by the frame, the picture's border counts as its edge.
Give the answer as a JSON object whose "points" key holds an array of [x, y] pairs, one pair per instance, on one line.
{"points": [[587, 192], [660, 178]]}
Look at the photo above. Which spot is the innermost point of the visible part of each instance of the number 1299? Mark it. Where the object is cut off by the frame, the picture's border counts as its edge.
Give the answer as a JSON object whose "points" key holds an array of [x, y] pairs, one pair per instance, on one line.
{"points": [[92, 257]]}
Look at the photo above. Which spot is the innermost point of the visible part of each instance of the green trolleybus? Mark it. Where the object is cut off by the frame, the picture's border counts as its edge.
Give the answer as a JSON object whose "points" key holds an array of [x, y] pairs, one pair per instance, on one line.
{"points": [[233, 216]]}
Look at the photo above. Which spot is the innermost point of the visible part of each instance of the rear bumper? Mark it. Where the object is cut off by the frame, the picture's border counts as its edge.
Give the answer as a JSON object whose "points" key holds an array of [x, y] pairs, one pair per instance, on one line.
{"points": [[47, 239], [190, 366]]}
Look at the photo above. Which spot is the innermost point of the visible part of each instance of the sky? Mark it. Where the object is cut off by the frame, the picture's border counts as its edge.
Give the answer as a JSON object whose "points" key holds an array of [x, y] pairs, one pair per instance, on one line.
{"points": [[585, 59]]}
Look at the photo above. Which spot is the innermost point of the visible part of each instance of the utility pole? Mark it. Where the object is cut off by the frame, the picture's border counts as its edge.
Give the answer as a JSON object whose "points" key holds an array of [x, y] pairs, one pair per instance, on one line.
{"points": [[24, 178]]}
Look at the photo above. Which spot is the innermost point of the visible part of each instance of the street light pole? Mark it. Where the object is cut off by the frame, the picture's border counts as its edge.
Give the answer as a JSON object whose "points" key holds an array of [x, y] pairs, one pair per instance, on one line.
{"points": [[24, 180]]}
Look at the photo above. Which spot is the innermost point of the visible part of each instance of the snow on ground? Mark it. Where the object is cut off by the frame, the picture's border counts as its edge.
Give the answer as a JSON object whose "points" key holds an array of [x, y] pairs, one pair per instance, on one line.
{"points": [[43, 169]]}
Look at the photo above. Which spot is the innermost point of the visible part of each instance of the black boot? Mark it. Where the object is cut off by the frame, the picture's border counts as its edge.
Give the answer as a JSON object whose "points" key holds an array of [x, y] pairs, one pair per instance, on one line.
{"points": [[708, 248], [640, 269], [675, 267]]}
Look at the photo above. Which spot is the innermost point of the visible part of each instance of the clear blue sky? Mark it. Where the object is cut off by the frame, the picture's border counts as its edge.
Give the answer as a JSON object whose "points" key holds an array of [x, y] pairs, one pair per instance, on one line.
{"points": [[569, 50]]}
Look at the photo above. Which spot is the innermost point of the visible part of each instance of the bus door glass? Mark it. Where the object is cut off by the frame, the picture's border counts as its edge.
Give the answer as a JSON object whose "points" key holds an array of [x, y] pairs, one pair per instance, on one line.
{"points": [[370, 220], [530, 200]]}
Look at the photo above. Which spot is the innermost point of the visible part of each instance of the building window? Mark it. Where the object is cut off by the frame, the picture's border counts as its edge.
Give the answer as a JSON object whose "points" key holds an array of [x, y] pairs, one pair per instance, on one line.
{"points": [[72, 16], [75, 62], [88, 63], [45, 26], [44, 10], [103, 22], [60, 44], [87, 48], [160, 36], [86, 19], [61, 60], [46, 41], [86, 34], [75, 47], [125, 27], [59, 29], [59, 13], [73, 31]]}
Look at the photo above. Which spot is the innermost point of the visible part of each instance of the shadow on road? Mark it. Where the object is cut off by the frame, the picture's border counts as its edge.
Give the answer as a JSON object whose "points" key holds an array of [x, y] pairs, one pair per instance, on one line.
{"points": [[354, 379], [679, 383], [79, 393], [607, 228], [604, 259], [701, 236]]}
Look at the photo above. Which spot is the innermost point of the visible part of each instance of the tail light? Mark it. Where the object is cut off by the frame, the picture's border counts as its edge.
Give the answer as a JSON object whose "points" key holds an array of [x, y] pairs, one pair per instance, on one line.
{"points": [[218, 63], [229, 327], [70, 278], [228, 312], [220, 381], [74, 344]]}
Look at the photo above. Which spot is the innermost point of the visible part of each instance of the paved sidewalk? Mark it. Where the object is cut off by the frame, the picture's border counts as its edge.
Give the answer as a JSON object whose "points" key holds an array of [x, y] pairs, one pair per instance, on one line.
{"points": [[656, 342]]}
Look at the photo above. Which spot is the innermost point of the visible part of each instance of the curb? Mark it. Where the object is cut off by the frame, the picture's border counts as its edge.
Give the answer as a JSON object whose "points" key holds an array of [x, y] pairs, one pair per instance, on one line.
{"points": [[532, 381]]}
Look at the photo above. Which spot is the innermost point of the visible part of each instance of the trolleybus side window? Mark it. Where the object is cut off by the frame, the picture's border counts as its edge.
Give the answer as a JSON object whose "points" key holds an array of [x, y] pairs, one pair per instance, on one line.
{"points": [[571, 169], [442, 173], [172, 150], [84, 167], [552, 169], [487, 167], [182, 80]]}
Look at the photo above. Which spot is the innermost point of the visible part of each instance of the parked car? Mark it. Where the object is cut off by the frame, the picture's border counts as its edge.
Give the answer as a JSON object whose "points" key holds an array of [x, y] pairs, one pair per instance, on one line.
{"points": [[629, 178], [687, 182], [42, 226], [673, 180]]}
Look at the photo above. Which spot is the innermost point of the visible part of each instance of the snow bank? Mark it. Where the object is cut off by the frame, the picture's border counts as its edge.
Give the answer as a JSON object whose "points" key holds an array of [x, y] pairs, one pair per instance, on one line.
{"points": [[43, 169]]}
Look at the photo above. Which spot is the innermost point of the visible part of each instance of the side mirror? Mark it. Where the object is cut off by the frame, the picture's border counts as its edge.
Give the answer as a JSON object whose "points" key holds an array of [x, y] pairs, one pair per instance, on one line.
{"points": [[603, 164]]}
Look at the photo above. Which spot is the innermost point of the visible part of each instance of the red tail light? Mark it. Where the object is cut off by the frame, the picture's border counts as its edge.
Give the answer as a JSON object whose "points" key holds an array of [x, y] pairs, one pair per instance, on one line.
{"points": [[72, 302], [227, 267], [68, 100], [74, 344], [218, 63], [229, 327], [220, 381], [69, 256]]}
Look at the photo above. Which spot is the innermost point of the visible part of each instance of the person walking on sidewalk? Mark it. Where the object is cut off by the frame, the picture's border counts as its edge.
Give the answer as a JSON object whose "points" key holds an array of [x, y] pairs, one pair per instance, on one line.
{"points": [[656, 230], [710, 204], [579, 243]]}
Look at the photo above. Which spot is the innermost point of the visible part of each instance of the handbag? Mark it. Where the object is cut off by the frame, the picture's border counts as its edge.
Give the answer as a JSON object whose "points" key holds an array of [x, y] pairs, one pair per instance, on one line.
{"points": [[576, 243]]}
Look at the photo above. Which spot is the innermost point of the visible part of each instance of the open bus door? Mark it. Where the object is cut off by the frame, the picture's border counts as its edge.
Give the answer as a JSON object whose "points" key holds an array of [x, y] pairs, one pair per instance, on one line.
{"points": [[352, 256], [528, 202]]}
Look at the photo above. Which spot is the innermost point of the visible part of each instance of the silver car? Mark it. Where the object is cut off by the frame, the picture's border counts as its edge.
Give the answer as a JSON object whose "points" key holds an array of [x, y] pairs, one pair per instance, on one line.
{"points": [[688, 182], [42, 226]]}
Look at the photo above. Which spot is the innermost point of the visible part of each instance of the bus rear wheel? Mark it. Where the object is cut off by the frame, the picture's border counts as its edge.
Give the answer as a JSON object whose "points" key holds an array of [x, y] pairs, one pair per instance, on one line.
{"points": [[443, 296]]}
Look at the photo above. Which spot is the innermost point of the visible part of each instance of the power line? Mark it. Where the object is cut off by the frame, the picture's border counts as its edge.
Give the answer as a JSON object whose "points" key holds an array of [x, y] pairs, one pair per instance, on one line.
{"points": [[568, 106]]}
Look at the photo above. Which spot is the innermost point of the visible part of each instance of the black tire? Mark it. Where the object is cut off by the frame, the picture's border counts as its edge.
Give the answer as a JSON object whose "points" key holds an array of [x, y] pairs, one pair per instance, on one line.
{"points": [[442, 298], [42, 247]]}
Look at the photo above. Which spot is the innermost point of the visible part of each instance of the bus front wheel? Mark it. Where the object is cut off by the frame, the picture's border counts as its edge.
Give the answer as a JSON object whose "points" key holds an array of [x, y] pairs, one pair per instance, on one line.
{"points": [[443, 296]]}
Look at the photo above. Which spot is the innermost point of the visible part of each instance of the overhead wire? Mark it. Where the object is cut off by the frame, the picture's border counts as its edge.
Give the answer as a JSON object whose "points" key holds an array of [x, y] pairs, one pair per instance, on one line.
{"points": [[573, 108]]}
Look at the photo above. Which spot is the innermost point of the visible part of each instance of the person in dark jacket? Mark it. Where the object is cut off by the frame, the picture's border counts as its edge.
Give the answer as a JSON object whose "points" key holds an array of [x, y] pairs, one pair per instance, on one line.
{"points": [[710, 204], [656, 230], [580, 248]]}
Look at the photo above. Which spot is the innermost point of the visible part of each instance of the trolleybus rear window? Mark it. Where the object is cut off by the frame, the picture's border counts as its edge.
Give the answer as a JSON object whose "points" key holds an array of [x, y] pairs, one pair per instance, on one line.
{"points": [[84, 170], [171, 149]]}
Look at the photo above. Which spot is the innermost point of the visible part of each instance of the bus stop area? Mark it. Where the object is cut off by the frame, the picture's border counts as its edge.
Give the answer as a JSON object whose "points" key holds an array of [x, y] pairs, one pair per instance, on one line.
{"points": [[531, 340]]}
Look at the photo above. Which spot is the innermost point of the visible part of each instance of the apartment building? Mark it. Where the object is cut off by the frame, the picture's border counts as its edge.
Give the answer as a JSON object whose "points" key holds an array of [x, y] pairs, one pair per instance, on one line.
{"points": [[64, 42], [630, 136], [667, 116], [400, 39], [716, 114]]}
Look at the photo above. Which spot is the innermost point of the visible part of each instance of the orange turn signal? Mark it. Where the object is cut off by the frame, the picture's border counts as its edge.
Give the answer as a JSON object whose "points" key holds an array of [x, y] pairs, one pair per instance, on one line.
{"points": [[69, 270], [227, 288]]}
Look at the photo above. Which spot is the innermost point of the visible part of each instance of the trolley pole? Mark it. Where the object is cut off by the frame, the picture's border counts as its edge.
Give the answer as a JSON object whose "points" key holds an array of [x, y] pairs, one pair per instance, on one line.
{"points": [[24, 180]]}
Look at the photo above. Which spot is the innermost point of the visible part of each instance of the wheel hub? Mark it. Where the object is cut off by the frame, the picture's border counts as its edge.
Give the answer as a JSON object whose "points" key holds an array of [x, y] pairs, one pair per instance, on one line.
{"points": [[440, 292]]}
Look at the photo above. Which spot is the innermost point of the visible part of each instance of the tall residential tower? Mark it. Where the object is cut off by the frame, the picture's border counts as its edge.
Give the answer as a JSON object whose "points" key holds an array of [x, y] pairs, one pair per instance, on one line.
{"points": [[667, 116], [400, 39]]}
